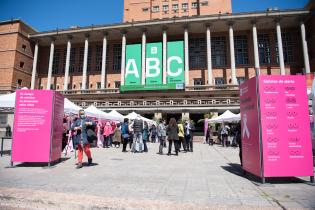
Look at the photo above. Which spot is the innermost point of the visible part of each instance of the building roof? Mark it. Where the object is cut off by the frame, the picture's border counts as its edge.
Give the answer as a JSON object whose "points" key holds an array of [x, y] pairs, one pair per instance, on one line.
{"points": [[19, 21]]}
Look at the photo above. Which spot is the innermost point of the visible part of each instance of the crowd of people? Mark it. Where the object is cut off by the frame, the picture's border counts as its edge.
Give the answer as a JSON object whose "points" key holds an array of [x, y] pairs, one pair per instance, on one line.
{"points": [[84, 132]]}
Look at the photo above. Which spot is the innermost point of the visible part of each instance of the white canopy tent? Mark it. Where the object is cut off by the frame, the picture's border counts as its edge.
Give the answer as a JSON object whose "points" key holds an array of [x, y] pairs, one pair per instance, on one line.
{"points": [[227, 116], [133, 115], [7, 100], [117, 114], [92, 111], [70, 107]]}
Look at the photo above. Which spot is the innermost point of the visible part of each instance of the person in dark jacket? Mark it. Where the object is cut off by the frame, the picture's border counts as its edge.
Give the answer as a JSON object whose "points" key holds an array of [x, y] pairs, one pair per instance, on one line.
{"points": [[125, 134], [172, 133], [189, 128], [145, 136], [80, 126], [137, 145]]}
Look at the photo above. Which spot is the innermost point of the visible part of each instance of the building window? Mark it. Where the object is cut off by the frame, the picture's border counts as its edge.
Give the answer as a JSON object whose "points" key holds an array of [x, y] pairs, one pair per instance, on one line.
{"points": [[21, 64], [52, 87], [56, 62], [287, 45], [117, 57], [155, 9], [57, 87], [194, 5], [240, 80], [165, 8], [117, 84], [219, 81], [19, 83], [89, 60], [175, 6], [69, 86], [218, 51], [74, 86], [198, 81], [98, 85], [145, 9], [184, 5], [98, 57], [241, 50], [197, 53], [91, 86], [81, 58], [264, 49], [24, 47], [204, 3], [72, 60], [64, 60]]}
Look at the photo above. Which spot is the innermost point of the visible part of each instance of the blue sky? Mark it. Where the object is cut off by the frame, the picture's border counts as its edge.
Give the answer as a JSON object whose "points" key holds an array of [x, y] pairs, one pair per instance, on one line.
{"points": [[48, 15]]}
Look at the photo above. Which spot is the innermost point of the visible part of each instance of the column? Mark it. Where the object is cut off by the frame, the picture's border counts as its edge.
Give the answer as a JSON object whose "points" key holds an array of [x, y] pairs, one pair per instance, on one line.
{"points": [[65, 85], [123, 59], [186, 57], [280, 49], [256, 55], [164, 55], [34, 66], [305, 50], [232, 54], [103, 74], [85, 59], [50, 65], [143, 56], [209, 58]]}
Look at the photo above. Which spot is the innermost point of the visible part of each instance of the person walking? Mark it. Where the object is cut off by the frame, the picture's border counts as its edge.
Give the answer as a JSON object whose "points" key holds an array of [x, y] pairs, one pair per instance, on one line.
{"points": [[80, 138], [107, 132], [125, 134], [137, 125], [153, 132], [189, 128], [117, 136], [145, 136], [130, 128], [172, 133], [161, 131], [181, 135]]}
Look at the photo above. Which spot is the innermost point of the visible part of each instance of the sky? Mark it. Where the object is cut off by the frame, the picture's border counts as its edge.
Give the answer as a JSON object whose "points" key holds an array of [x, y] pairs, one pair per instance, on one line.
{"points": [[46, 15]]}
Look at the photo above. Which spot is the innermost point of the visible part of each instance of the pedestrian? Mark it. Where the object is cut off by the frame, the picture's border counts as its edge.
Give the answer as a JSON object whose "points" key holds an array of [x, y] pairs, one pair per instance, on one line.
{"points": [[189, 128], [137, 125], [111, 136], [107, 132], [80, 137], [100, 137], [181, 135], [145, 136], [172, 133], [125, 134], [117, 136], [130, 128], [224, 134], [161, 131], [153, 132], [210, 135]]}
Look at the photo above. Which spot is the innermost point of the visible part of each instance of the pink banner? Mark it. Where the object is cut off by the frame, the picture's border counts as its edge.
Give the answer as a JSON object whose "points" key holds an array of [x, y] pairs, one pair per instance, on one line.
{"points": [[37, 128]]}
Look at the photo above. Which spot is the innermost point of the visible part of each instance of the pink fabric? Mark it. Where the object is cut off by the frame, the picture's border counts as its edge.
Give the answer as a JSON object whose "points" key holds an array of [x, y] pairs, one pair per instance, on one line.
{"points": [[107, 129]]}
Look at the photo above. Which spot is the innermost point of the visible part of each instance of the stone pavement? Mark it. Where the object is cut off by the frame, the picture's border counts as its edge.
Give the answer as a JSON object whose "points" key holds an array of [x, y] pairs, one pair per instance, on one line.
{"points": [[208, 178]]}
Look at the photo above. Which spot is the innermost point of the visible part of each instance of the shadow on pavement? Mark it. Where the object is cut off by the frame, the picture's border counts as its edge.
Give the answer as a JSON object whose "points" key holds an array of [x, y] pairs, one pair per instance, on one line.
{"points": [[43, 165]]}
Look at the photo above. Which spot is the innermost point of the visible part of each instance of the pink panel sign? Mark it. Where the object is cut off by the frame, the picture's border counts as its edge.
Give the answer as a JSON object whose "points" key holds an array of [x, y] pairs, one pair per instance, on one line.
{"points": [[35, 125], [250, 127], [287, 149]]}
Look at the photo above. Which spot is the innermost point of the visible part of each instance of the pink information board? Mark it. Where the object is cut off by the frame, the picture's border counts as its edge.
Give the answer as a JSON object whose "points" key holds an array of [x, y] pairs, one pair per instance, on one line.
{"points": [[37, 131], [282, 138]]}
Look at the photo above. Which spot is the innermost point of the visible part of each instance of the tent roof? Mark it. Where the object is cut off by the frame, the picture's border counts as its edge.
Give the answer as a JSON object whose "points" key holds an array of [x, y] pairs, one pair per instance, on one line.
{"points": [[70, 107], [92, 111], [7, 100], [227, 116]]}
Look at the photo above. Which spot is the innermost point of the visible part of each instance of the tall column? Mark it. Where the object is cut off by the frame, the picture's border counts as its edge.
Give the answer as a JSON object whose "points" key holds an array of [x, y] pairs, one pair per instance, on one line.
{"points": [[256, 55], [103, 74], [280, 49], [186, 56], [305, 50], [34, 66], [85, 59], [232, 54], [50, 65], [209, 58], [65, 85], [164, 55], [144, 41], [123, 58]]}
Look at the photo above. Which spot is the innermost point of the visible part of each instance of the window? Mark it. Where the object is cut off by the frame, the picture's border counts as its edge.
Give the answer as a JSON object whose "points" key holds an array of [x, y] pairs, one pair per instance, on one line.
{"points": [[165, 8], [99, 56], [197, 53], [204, 3], [198, 81], [52, 87], [91, 86], [80, 85], [72, 59], [241, 50], [21, 64], [98, 85], [175, 6], [145, 9], [56, 61], [155, 9], [57, 87], [240, 80], [89, 67], [81, 58], [69, 86], [287, 45], [218, 51], [74, 86], [19, 82], [64, 60], [184, 5], [264, 48], [219, 81], [117, 84], [24, 47], [194, 5], [117, 57]]}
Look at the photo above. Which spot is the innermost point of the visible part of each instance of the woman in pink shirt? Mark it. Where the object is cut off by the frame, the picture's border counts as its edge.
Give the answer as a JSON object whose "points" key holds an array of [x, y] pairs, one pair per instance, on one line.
{"points": [[107, 134]]}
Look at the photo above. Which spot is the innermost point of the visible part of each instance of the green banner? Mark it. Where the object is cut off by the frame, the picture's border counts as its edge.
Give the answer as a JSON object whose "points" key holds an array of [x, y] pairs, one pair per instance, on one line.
{"points": [[124, 88], [154, 62], [175, 62], [133, 65]]}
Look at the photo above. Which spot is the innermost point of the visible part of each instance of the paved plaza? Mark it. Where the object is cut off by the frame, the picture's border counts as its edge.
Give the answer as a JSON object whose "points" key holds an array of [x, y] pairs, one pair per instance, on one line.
{"points": [[208, 178]]}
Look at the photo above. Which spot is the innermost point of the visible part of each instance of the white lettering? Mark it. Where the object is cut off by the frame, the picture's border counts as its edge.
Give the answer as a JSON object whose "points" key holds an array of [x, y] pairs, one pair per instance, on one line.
{"points": [[154, 67], [134, 70], [169, 70]]}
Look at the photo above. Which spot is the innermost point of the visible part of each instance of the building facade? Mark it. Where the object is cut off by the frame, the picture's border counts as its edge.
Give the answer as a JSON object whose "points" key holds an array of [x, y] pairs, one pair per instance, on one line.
{"points": [[88, 64]]}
